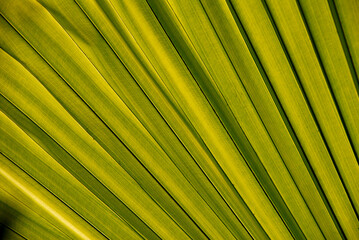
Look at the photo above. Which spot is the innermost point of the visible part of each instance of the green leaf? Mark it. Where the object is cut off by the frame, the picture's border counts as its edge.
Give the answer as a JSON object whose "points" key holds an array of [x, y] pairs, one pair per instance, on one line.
{"points": [[179, 119]]}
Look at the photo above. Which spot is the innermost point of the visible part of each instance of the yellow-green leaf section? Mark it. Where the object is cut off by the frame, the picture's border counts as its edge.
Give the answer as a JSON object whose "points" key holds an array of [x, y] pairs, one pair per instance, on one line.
{"points": [[179, 119]]}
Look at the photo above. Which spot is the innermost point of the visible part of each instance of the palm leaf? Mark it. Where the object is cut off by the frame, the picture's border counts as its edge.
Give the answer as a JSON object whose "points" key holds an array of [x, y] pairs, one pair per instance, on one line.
{"points": [[179, 119]]}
